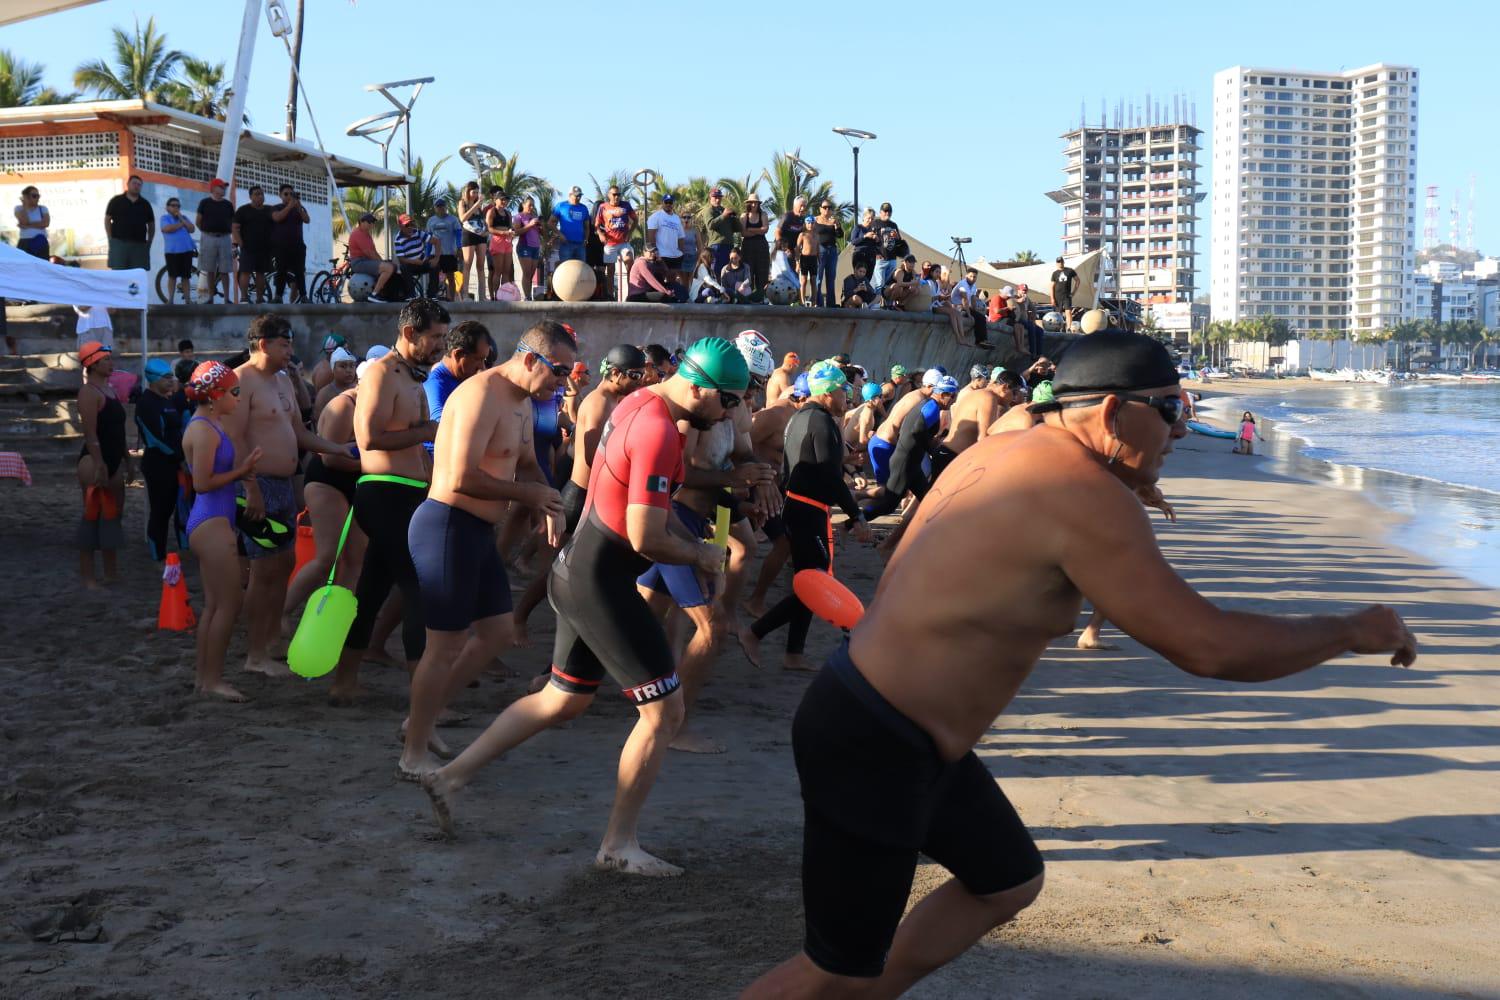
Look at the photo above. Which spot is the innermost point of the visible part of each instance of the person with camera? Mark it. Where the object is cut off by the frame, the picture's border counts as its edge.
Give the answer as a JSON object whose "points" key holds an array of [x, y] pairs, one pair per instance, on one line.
{"points": [[889, 248], [288, 251]]}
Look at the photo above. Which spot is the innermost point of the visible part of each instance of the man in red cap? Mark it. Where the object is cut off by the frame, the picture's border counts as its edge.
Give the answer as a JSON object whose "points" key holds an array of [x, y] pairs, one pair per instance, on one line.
{"points": [[215, 219], [418, 259]]}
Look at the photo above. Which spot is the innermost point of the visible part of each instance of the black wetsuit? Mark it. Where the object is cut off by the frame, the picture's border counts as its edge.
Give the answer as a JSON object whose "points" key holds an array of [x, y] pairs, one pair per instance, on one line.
{"points": [[383, 508], [913, 443], [813, 468], [110, 427], [160, 420]]}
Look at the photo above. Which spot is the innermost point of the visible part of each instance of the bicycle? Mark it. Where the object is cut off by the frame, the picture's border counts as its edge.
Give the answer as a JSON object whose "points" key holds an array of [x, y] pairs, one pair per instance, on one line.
{"points": [[328, 286], [166, 285]]}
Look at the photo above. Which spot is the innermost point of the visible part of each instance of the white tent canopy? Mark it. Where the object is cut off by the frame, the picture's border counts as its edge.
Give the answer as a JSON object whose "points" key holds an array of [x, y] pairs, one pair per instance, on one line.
{"points": [[1038, 277], [23, 276]]}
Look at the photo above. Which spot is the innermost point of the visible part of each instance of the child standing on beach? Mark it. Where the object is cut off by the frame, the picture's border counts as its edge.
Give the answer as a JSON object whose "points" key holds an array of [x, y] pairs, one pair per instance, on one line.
{"points": [[1248, 433]]}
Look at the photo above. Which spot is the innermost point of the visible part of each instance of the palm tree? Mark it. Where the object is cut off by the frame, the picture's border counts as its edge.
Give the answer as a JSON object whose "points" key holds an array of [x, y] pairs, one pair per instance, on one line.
{"points": [[1026, 257], [512, 178], [143, 69], [425, 191], [616, 178], [736, 190], [357, 201], [786, 181], [21, 84], [1483, 338], [1406, 334], [201, 90]]}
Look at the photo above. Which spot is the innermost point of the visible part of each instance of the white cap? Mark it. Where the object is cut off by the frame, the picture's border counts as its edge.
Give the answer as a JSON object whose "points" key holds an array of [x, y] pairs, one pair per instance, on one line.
{"points": [[341, 355], [378, 351], [359, 372]]}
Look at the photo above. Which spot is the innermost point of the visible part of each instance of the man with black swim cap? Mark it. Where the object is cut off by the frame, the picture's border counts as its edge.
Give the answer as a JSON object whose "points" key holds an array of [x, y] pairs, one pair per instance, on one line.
{"points": [[603, 624], [883, 740]]}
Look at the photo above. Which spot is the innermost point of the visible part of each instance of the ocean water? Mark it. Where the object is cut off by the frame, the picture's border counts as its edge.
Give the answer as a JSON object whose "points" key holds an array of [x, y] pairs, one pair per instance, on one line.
{"points": [[1426, 450]]}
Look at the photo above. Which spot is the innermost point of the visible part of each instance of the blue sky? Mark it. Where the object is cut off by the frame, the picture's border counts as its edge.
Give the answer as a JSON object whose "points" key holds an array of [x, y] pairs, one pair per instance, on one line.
{"points": [[968, 106]]}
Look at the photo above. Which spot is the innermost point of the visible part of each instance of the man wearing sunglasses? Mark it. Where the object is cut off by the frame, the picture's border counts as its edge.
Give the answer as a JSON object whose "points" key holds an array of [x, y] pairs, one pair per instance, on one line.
{"points": [[603, 624], [914, 784], [484, 460], [622, 372]]}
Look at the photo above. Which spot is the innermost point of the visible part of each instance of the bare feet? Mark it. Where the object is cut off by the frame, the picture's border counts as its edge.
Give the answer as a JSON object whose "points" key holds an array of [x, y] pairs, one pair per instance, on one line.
{"points": [[1088, 642], [750, 643], [756, 606], [383, 658], [267, 666], [796, 661], [416, 770], [691, 742], [440, 794], [631, 860], [222, 690], [448, 717], [345, 697], [435, 743], [520, 638]]}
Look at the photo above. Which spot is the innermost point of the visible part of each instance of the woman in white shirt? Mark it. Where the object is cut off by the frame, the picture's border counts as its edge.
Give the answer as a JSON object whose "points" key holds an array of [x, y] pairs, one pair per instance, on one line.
{"points": [[32, 218], [705, 288]]}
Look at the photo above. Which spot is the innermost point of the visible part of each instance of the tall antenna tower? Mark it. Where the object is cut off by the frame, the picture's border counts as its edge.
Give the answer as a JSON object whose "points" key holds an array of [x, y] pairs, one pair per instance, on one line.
{"points": [[1430, 219], [1453, 223], [1469, 233]]}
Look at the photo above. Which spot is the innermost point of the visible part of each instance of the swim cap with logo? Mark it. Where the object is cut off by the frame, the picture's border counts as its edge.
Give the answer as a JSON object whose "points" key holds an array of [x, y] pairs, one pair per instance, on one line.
{"points": [[753, 337], [930, 377], [757, 358], [1113, 362], [210, 380], [945, 383], [714, 363], [996, 372], [342, 356], [869, 392], [979, 371], [825, 378], [800, 388], [897, 370], [623, 358], [333, 340], [1042, 393]]}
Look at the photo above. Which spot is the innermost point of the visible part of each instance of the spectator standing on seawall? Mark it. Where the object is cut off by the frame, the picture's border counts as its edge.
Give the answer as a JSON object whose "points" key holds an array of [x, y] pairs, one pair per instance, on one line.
{"points": [[178, 246], [571, 220], [471, 216], [32, 220], [447, 236], [129, 223], [862, 239], [792, 225], [724, 226], [664, 232], [288, 251], [756, 251], [887, 248], [497, 220], [827, 229], [528, 243], [215, 220], [1064, 284], [252, 234], [365, 259], [613, 222]]}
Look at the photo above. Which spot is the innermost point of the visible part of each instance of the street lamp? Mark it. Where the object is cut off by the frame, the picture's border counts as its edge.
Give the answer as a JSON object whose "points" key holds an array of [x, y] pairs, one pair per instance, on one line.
{"points": [[381, 130], [644, 178], [854, 136], [404, 107]]}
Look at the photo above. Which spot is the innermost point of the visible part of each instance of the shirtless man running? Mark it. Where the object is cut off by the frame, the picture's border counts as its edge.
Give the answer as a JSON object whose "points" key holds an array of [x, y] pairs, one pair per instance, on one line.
{"points": [[973, 414], [782, 378], [269, 419], [391, 424], [603, 625], [484, 458], [914, 784], [620, 373]]}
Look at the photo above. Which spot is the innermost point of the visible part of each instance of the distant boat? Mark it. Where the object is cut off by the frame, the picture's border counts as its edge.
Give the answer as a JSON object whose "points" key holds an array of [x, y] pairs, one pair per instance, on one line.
{"points": [[1377, 376], [1208, 430], [1480, 376], [1323, 375]]}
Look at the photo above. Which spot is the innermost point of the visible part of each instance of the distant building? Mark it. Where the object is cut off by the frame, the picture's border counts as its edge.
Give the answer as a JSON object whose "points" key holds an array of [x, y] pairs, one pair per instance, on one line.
{"points": [[1133, 193], [1314, 206], [1181, 319], [1445, 291], [80, 156]]}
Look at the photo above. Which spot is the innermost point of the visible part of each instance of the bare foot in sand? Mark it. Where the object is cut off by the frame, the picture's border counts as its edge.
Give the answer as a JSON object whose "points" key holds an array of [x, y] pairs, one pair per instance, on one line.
{"points": [[435, 743], [269, 667], [448, 717], [345, 697], [796, 661], [222, 690], [440, 794], [750, 643], [520, 638], [632, 861], [756, 606], [383, 658], [1087, 642], [418, 769], [691, 742]]}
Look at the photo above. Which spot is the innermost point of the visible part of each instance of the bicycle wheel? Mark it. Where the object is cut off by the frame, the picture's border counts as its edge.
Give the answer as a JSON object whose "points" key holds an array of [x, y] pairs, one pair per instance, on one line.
{"points": [[322, 288], [163, 285]]}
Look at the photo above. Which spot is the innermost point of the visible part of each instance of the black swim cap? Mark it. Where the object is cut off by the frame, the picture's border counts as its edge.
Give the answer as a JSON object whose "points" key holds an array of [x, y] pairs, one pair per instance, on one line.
{"points": [[623, 358], [1113, 362]]}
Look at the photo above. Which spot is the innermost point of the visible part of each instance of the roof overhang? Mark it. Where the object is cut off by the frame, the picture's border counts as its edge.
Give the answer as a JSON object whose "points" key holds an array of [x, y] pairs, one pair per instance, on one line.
{"points": [[23, 10], [346, 172]]}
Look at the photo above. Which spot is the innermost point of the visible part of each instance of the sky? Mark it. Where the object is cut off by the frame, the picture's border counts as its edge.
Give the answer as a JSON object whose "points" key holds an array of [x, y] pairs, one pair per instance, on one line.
{"points": [[968, 103]]}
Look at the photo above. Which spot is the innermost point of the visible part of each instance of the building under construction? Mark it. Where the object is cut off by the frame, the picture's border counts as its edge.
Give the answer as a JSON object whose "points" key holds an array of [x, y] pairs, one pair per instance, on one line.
{"points": [[1132, 192]]}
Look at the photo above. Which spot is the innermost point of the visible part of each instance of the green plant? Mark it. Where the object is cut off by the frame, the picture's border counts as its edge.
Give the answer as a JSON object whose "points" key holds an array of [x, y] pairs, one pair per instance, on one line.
{"points": [[21, 84], [200, 90], [143, 66]]}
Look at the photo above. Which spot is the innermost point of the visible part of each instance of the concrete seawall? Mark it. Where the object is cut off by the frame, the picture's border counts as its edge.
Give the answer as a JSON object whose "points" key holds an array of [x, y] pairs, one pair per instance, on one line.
{"points": [[874, 338]]}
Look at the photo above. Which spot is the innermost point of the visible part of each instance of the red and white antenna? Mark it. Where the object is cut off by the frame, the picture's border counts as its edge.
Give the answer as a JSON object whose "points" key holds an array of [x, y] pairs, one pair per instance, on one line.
{"points": [[1469, 232], [1430, 219]]}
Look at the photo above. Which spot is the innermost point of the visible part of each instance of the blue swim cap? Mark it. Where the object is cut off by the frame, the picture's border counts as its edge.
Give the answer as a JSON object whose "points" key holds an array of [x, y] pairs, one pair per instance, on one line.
{"points": [[945, 384], [869, 392], [800, 388], [156, 369]]}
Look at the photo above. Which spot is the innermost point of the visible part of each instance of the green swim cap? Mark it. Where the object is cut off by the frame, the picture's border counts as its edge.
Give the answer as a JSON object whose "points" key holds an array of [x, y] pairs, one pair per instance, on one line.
{"points": [[826, 377], [897, 370], [1042, 393], [715, 363], [996, 372]]}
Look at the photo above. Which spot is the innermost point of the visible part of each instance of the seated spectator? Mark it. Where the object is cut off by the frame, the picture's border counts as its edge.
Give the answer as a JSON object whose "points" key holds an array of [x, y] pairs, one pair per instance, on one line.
{"points": [[365, 259], [737, 280], [418, 259], [932, 280], [902, 282], [964, 296], [857, 291], [647, 280], [706, 287]]}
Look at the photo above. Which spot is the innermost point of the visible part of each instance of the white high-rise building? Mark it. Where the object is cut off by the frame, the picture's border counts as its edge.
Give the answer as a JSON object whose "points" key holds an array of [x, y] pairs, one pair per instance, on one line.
{"points": [[1314, 196]]}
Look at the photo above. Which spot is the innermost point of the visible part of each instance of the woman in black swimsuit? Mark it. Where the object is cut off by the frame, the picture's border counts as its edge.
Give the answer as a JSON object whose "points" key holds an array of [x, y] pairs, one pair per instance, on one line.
{"points": [[753, 247], [328, 490], [99, 464]]}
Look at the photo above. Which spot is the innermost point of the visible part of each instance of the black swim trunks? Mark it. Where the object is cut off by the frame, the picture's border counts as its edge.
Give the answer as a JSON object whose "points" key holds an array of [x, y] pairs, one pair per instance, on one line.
{"points": [[875, 794], [459, 569], [339, 479]]}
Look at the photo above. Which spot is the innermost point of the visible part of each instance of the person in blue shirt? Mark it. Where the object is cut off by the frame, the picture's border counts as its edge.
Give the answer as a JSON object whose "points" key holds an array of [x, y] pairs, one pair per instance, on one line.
{"points": [[178, 246], [470, 349], [571, 219]]}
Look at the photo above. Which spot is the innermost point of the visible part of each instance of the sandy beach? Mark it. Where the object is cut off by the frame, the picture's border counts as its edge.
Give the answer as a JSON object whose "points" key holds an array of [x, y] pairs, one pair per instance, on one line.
{"points": [[1336, 833]]}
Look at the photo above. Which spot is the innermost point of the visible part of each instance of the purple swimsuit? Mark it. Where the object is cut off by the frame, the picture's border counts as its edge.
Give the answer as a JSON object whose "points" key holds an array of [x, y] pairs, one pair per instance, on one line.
{"points": [[219, 502]]}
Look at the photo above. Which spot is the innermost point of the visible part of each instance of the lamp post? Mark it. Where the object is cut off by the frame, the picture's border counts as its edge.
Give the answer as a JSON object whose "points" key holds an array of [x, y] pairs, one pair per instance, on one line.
{"points": [[404, 107], [854, 136], [381, 130]]}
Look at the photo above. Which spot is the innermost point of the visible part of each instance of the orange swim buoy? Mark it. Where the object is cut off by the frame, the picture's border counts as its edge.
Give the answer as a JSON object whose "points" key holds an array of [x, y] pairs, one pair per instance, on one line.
{"points": [[306, 547], [827, 598]]}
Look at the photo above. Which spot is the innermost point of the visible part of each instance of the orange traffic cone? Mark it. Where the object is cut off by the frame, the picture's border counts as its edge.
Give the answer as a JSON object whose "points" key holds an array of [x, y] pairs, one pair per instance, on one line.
{"points": [[174, 613], [306, 547]]}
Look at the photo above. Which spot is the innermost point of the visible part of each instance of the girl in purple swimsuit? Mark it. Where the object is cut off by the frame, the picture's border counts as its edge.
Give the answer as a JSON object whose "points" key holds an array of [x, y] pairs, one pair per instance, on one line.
{"points": [[210, 456]]}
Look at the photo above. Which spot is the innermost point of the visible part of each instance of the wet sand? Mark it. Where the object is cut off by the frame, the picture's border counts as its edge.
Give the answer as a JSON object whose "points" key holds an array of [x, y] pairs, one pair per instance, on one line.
{"points": [[1331, 834]]}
